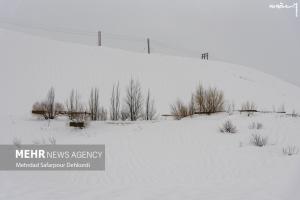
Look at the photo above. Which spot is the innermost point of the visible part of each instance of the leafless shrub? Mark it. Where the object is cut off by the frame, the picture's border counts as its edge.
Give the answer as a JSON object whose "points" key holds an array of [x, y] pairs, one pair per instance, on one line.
{"points": [[256, 125], [258, 140], [49, 104], [102, 114], [191, 108], [248, 106], [214, 100], [52, 140], [48, 108], [134, 100], [149, 107], [59, 108], [294, 114], [200, 99], [115, 103], [17, 142], [281, 109], [179, 110], [229, 108], [124, 114], [228, 127], [94, 104], [206, 101], [37, 107], [73, 105], [209, 100], [81, 115], [290, 150]]}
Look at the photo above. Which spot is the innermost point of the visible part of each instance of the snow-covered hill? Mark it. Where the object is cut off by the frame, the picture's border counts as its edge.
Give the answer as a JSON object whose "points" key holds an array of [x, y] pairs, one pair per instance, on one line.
{"points": [[31, 65], [244, 32], [161, 159]]}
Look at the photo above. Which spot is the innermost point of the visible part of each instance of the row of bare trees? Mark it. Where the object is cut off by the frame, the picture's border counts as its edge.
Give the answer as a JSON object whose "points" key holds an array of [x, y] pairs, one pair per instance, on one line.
{"points": [[134, 106]]}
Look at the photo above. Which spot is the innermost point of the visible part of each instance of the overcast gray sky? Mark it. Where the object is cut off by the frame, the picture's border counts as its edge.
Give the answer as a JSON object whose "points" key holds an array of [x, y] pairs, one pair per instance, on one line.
{"points": [[244, 32]]}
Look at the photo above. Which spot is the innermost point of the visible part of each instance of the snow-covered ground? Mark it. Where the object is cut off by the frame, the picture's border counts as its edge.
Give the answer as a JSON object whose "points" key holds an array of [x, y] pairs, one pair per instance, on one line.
{"points": [[166, 159], [162, 159]]}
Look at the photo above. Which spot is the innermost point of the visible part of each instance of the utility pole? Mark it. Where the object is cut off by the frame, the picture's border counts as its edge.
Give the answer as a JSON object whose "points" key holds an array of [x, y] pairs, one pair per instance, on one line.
{"points": [[148, 44], [99, 38]]}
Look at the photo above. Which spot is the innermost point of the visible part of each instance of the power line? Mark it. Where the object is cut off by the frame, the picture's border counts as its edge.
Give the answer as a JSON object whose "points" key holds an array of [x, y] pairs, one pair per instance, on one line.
{"points": [[43, 28], [156, 44]]}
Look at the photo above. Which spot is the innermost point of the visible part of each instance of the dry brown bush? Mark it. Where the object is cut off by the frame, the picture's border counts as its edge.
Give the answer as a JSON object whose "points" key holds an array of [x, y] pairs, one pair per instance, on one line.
{"points": [[209, 100], [179, 110]]}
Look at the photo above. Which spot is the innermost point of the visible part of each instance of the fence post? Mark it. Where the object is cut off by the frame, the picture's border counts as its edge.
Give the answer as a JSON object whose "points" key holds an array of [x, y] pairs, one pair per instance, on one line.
{"points": [[148, 44], [99, 38], [204, 56]]}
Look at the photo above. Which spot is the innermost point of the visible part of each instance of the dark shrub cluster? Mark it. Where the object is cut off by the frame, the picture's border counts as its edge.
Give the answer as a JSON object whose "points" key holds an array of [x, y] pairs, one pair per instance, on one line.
{"points": [[228, 127]]}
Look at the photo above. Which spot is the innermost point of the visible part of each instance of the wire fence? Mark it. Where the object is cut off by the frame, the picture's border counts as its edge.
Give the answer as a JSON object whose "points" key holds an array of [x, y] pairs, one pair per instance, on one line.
{"points": [[87, 37]]}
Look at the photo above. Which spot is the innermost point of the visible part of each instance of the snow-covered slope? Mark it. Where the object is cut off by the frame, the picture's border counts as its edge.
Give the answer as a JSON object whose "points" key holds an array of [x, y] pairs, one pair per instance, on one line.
{"points": [[31, 65], [162, 159]]}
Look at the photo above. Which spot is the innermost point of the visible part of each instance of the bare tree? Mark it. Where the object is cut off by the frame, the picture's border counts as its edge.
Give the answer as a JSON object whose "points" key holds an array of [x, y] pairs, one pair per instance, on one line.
{"points": [[49, 104], [200, 98], [149, 107], [48, 108], [94, 104], [73, 104], [124, 113], [59, 109], [115, 103], [134, 100], [248, 106], [102, 114], [192, 108]]}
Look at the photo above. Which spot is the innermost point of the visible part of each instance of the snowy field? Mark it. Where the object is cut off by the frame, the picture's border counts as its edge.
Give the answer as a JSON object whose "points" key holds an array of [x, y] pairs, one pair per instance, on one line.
{"points": [[161, 159], [165, 159]]}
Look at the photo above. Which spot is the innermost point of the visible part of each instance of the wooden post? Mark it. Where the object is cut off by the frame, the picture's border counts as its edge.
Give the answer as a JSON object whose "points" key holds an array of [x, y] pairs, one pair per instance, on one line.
{"points": [[99, 38], [204, 56], [148, 44]]}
